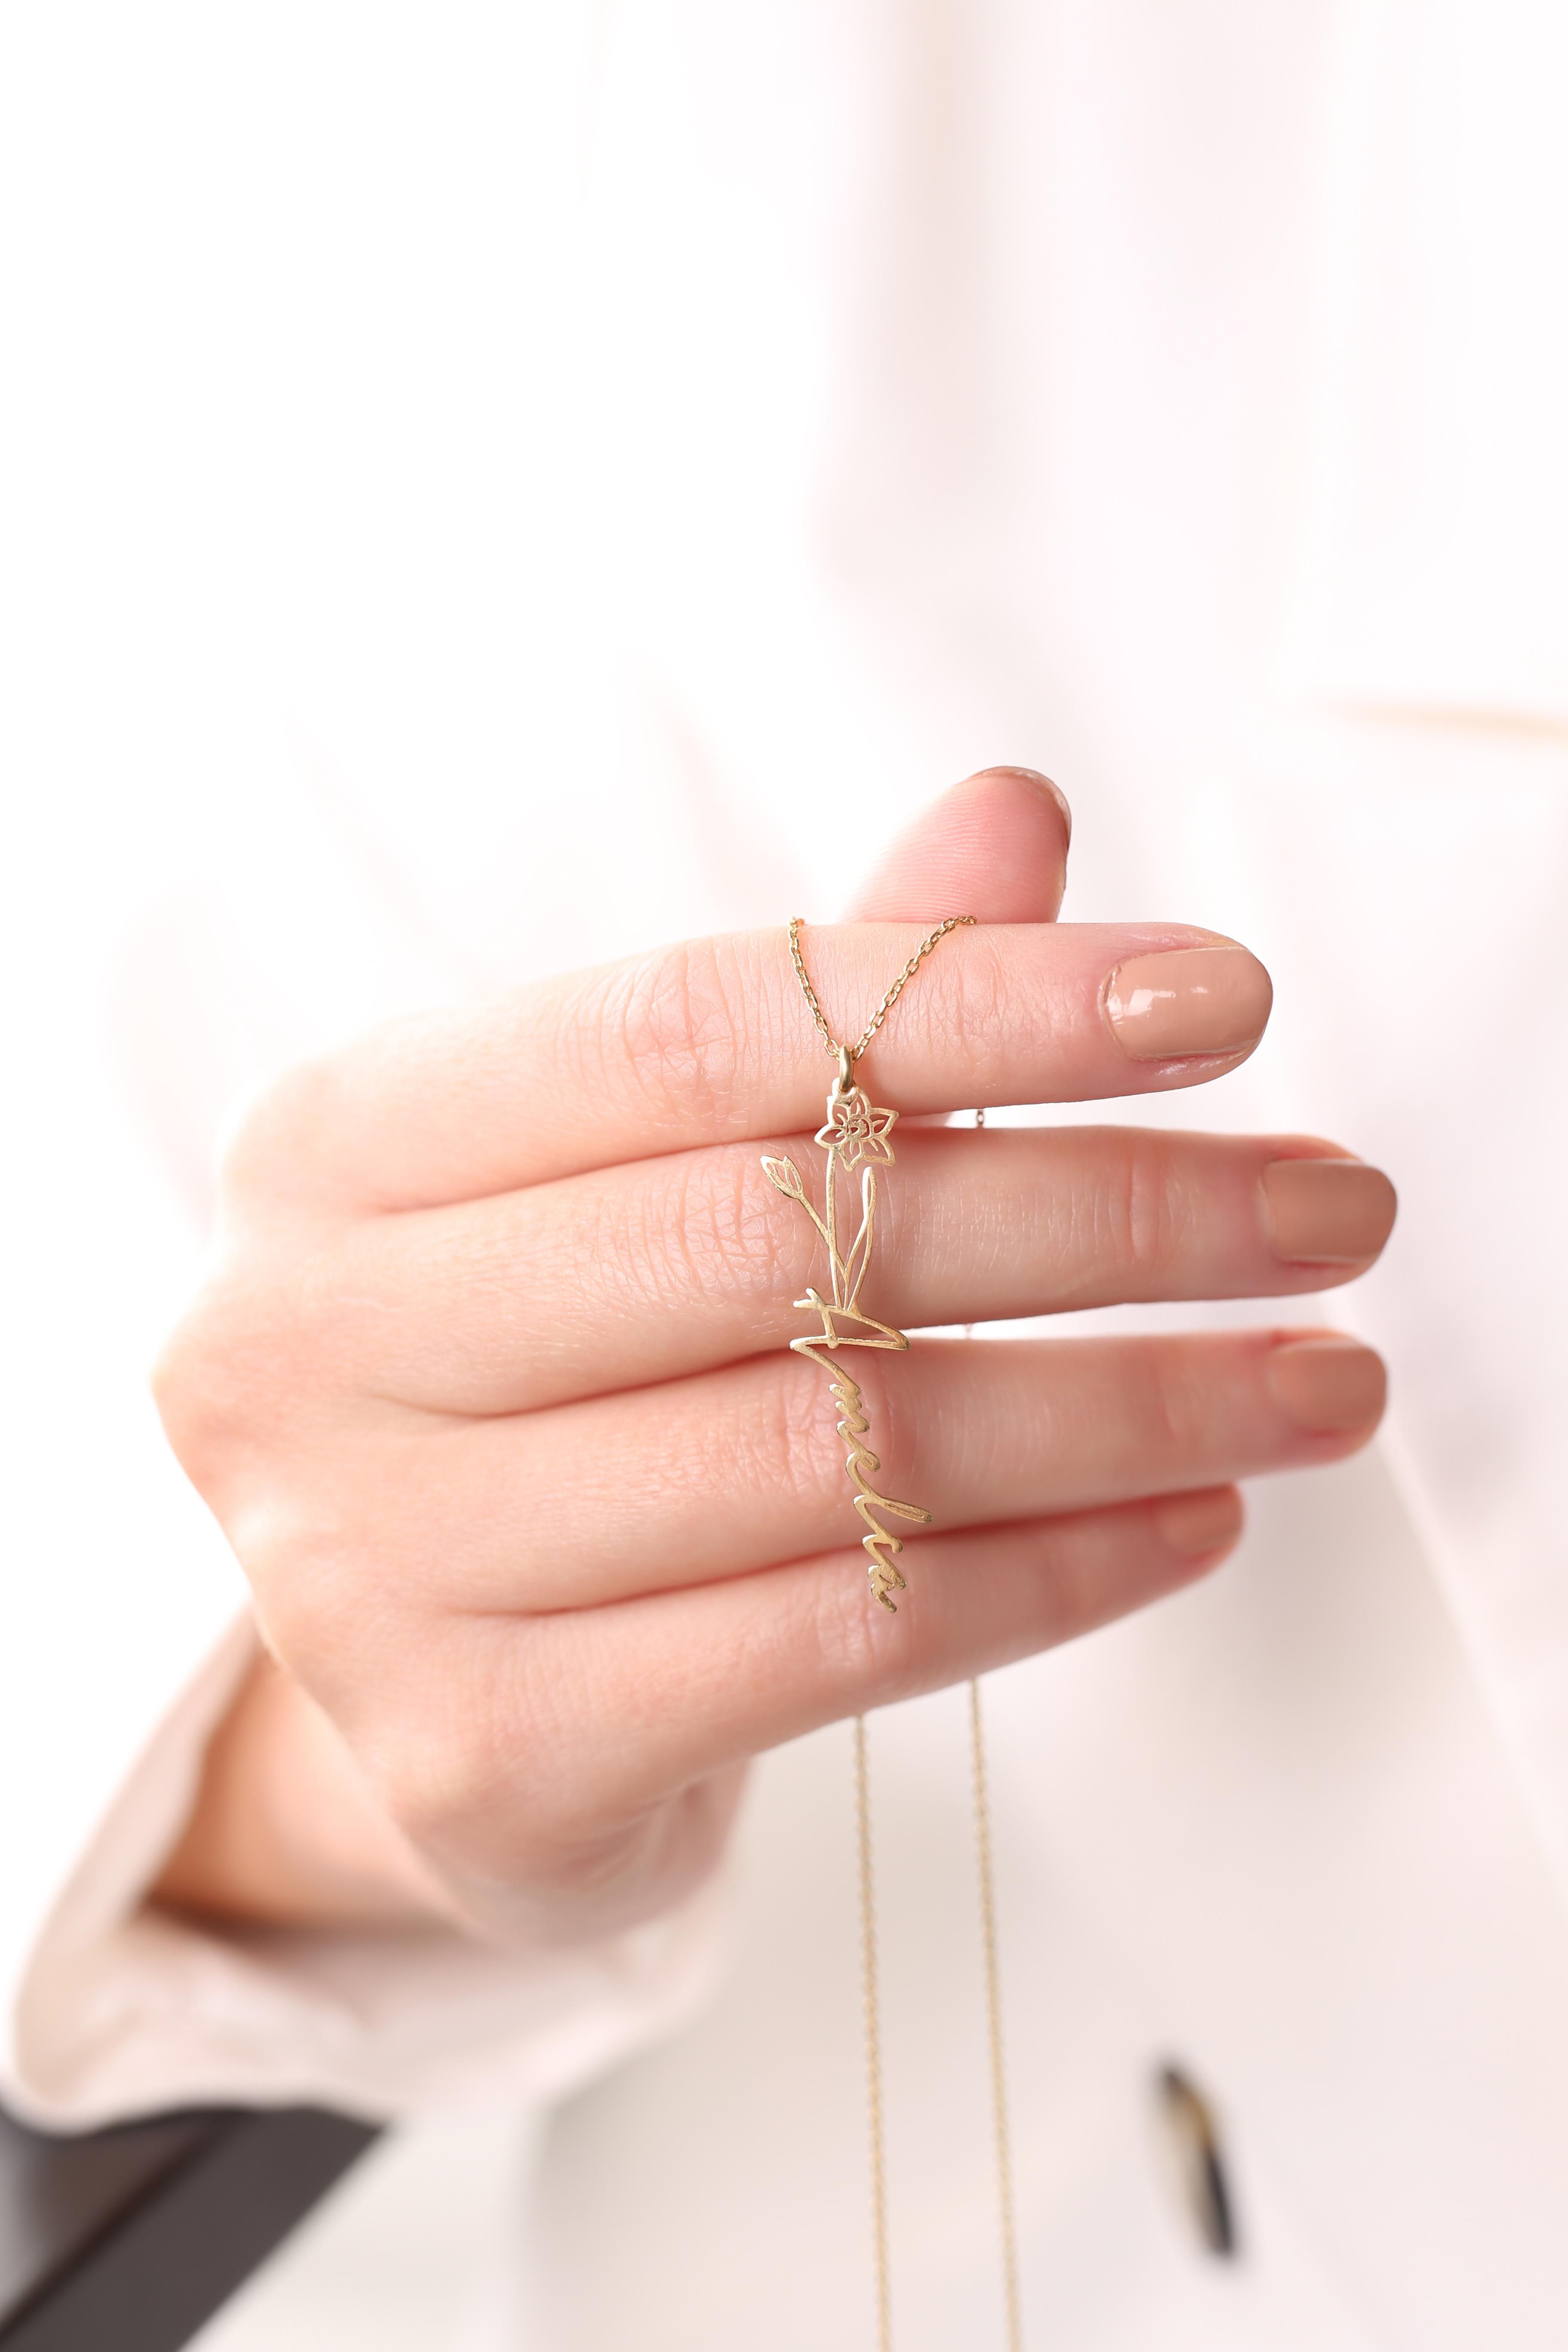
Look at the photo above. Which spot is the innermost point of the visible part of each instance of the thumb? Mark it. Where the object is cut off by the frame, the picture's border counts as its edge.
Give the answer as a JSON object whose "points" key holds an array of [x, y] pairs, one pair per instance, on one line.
{"points": [[994, 846]]}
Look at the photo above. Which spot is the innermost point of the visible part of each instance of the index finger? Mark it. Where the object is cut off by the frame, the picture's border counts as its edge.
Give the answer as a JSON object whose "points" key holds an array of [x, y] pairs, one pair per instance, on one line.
{"points": [[711, 1041]]}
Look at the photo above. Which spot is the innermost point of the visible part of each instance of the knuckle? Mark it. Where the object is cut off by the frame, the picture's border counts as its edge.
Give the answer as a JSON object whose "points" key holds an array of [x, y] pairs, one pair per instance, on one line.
{"points": [[1179, 1405], [289, 1127], [428, 1771], [732, 1240], [179, 1390], [199, 1387], [625, 1866], [672, 1022], [970, 1003], [703, 1227], [321, 1543], [845, 1636], [792, 1442], [259, 1336], [1085, 1553], [309, 1594], [1144, 1211], [446, 1758]]}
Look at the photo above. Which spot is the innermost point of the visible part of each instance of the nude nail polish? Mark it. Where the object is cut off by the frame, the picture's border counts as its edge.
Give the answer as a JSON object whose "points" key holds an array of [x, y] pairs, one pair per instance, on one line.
{"points": [[1327, 1212], [1194, 1524], [1187, 1000], [1327, 1385]]}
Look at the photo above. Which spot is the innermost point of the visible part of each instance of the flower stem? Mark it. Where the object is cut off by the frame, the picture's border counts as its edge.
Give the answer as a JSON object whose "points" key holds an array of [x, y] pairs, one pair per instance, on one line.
{"points": [[833, 1224]]}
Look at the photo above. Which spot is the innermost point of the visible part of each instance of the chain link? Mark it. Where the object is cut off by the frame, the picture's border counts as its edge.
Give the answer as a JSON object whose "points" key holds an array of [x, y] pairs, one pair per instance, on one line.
{"points": [[871, 2012], [892, 998], [872, 2018], [1000, 2136]]}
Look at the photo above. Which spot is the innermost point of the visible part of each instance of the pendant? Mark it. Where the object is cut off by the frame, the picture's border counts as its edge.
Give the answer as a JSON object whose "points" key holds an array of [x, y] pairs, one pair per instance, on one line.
{"points": [[855, 1135]]}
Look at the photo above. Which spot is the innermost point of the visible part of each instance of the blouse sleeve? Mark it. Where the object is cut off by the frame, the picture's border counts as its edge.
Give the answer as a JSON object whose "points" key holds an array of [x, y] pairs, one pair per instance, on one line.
{"points": [[119, 2007]]}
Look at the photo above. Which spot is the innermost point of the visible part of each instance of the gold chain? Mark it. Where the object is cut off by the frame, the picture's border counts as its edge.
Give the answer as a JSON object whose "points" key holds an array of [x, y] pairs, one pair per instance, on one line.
{"points": [[848, 1397], [892, 998], [994, 2025], [872, 2007], [1001, 2135], [872, 2015]]}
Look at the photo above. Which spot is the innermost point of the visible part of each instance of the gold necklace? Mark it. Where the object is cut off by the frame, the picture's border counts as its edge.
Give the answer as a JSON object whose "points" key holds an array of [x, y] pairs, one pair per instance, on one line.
{"points": [[856, 1135]]}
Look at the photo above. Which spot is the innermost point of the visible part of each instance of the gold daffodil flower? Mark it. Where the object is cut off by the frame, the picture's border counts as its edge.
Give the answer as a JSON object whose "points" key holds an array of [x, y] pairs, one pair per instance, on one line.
{"points": [[856, 1129]]}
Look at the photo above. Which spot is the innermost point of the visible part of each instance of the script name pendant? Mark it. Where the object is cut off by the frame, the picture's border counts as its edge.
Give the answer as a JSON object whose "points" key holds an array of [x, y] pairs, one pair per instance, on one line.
{"points": [[855, 1135]]}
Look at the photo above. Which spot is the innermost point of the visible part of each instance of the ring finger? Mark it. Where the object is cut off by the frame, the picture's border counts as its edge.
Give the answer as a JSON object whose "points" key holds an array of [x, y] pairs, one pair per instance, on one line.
{"points": [[733, 1472]]}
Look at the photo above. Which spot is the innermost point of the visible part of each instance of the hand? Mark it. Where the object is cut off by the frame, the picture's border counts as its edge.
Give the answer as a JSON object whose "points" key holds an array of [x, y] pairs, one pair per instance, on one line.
{"points": [[549, 1532]]}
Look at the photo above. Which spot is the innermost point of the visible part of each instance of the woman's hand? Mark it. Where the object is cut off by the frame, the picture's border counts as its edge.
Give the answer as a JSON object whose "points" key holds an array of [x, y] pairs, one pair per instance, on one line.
{"points": [[549, 1531]]}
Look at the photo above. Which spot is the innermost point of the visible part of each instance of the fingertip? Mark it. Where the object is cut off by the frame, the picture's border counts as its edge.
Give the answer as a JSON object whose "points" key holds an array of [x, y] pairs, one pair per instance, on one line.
{"points": [[1328, 1385], [1327, 1212], [1202, 1526], [993, 847], [1037, 782], [1181, 1003]]}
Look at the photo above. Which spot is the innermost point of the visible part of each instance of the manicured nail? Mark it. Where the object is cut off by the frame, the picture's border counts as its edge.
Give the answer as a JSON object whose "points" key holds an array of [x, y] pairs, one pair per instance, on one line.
{"points": [[1188, 1001], [1327, 1385], [1044, 784], [1194, 1523], [1327, 1212]]}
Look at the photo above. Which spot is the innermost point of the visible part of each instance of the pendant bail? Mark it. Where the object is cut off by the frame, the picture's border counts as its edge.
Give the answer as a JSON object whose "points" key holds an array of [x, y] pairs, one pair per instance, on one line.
{"points": [[845, 1079]]}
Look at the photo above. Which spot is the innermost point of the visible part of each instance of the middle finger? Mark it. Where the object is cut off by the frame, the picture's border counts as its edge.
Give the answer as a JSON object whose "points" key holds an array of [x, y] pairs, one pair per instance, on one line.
{"points": [[673, 1267]]}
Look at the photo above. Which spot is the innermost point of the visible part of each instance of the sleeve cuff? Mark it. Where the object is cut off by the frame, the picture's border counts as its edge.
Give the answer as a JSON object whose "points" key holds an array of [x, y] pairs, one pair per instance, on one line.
{"points": [[122, 2007]]}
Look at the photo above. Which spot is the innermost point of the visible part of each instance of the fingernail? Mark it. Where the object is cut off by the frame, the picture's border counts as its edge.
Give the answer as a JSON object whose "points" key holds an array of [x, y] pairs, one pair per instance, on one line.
{"points": [[1327, 1212], [1188, 1001], [1032, 776], [1194, 1523], [1327, 1385]]}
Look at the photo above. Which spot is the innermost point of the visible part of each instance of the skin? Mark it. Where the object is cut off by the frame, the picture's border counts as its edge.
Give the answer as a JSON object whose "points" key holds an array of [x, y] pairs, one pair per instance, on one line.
{"points": [[548, 1530]]}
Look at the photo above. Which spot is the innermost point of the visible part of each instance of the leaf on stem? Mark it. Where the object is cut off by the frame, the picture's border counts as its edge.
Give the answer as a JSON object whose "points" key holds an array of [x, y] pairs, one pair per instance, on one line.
{"points": [[786, 1176]]}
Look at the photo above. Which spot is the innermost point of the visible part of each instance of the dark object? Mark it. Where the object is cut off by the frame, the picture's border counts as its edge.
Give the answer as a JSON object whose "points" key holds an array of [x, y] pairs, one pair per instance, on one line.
{"points": [[1192, 2137], [127, 2240]]}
